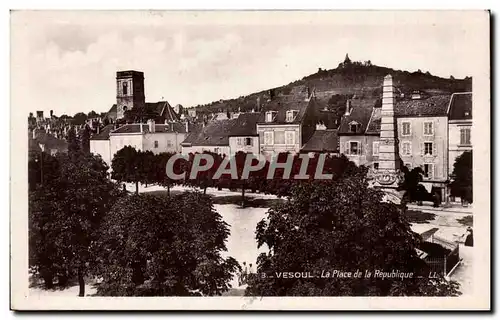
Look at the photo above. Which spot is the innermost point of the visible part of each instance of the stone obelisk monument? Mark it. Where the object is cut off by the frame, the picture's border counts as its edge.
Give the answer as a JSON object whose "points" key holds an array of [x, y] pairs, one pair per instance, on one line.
{"points": [[388, 175]]}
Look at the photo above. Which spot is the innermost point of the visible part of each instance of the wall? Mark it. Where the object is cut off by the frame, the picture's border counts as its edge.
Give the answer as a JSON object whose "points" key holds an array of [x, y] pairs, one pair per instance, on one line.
{"points": [[118, 141], [416, 138], [200, 149], [163, 139], [454, 147], [102, 148], [273, 149], [366, 156], [234, 147]]}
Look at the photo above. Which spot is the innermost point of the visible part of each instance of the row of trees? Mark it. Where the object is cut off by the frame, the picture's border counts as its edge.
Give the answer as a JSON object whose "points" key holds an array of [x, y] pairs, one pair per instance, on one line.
{"points": [[82, 225], [130, 165]]}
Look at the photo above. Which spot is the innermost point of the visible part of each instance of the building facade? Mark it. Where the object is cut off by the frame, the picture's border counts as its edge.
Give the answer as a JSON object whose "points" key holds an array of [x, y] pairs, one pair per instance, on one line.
{"points": [[459, 126]]}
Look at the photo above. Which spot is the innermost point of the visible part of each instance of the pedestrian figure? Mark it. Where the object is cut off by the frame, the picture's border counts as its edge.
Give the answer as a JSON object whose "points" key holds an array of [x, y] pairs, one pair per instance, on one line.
{"points": [[469, 241], [250, 270]]}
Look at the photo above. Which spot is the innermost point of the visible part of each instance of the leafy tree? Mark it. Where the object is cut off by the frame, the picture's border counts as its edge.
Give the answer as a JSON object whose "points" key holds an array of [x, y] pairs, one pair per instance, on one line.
{"points": [[79, 118], [161, 176], [64, 214], [85, 139], [414, 191], [164, 246], [92, 114], [73, 141], [126, 165], [342, 225], [461, 186]]}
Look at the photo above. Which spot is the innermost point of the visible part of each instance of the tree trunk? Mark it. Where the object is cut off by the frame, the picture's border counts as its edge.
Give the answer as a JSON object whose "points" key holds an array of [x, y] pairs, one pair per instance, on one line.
{"points": [[48, 280], [137, 187], [81, 283], [205, 190], [168, 190], [243, 197]]}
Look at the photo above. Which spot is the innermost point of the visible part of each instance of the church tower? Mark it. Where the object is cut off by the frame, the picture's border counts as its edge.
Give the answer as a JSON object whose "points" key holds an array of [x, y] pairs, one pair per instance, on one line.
{"points": [[129, 91]]}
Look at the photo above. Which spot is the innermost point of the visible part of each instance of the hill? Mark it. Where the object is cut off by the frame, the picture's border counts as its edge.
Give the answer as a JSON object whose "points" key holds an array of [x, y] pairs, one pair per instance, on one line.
{"points": [[333, 86]]}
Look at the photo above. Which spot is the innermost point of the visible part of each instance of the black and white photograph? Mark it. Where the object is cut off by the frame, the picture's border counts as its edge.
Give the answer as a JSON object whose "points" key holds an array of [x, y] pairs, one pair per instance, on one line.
{"points": [[256, 160]]}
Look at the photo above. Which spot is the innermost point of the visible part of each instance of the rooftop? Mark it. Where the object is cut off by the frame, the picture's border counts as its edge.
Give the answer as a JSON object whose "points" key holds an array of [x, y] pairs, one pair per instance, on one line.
{"points": [[460, 106]]}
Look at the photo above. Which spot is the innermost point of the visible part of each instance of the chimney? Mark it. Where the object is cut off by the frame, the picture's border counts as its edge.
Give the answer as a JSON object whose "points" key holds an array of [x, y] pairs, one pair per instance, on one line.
{"points": [[171, 126], [348, 107], [51, 113], [187, 126], [151, 125]]}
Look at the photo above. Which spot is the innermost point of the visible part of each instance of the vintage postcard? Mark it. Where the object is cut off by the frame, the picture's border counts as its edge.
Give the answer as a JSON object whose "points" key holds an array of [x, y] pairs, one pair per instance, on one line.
{"points": [[250, 160]]}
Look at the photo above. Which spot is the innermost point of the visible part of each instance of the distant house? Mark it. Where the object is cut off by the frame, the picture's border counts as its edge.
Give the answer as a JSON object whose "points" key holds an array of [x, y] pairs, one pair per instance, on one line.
{"points": [[99, 143], [243, 135], [153, 137], [286, 123], [459, 126], [212, 137], [322, 141], [40, 140]]}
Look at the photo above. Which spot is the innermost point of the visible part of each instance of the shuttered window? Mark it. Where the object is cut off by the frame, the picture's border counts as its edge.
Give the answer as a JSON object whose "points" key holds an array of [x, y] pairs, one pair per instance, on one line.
{"points": [[465, 136], [428, 128], [290, 137], [376, 145]]}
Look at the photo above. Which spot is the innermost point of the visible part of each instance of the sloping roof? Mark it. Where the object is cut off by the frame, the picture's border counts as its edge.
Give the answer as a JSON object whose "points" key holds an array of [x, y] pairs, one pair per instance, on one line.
{"points": [[282, 104], [112, 112], [361, 111], [50, 142], [159, 128], [215, 133], [431, 106], [246, 124], [374, 123], [460, 106], [163, 109], [103, 133], [322, 141]]}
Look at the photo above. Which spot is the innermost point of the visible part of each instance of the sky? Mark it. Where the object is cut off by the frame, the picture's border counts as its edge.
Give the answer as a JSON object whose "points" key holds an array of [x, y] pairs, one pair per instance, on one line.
{"points": [[67, 61]]}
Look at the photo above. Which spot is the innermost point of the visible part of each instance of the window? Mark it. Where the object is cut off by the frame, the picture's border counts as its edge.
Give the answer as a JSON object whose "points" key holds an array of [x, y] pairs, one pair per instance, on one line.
{"points": [[427, 148], [290, 115], [353, 147], [216, 150], [406, 148], [290, 137], [279, 137], [268, 137], [375, 165], [375, 148], [125, 89], [406, 129], [156, 144], [428, 128], [248, 142], [353, 127], [169, 144], [428, 170], [270, 116], [238, 141], [465, 136]]}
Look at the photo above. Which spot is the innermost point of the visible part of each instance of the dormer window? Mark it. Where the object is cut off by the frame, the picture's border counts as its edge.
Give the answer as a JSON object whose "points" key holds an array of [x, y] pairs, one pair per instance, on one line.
{"points": [[353, 127], [290, 115], [270, 115]]}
